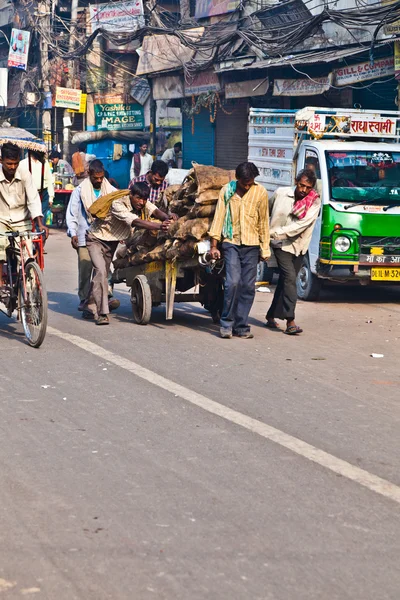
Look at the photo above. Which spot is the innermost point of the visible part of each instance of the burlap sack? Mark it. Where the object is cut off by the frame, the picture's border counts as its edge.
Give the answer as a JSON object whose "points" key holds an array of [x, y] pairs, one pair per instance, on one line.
{"points": [[138, 258], [201, 211], [173, 252], [211, 178], [187, 249], [120, 263], [208, 197], [157, 253], [193, 228], [169, 194], [177, 225]]}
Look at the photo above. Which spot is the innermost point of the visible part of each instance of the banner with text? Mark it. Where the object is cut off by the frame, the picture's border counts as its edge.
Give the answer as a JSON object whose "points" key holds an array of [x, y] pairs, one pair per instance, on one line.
{"points": [[302, 87], [381, 67], [115, 117], [117, 17], [19, 48], [68, 98]]}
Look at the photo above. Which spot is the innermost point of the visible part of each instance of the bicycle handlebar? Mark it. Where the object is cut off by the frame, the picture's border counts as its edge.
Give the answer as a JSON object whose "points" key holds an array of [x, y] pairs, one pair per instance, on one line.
{"points": [[25, 234]]}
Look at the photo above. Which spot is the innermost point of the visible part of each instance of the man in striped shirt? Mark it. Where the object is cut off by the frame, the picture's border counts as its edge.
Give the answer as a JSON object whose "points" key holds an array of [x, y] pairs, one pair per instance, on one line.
{"points": [[241, 222], [104, 235], [155, 179]]}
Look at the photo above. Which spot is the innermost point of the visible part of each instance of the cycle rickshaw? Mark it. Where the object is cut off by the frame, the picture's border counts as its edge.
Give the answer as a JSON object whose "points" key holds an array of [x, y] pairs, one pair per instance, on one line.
{"points": [[22, 285]]}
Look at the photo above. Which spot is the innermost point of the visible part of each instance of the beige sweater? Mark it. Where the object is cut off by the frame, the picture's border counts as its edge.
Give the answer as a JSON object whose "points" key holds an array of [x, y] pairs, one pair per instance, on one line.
{"points": [[294, 233]]}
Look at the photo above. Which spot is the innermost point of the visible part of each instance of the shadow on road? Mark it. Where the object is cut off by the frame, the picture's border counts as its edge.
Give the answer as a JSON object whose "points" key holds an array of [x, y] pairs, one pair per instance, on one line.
{"points": [[358, 294], [11, 329]]}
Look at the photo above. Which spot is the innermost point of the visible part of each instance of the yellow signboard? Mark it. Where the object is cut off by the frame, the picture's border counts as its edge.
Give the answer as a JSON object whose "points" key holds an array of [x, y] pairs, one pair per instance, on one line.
{"points": [[82, 106], [397, 60]]}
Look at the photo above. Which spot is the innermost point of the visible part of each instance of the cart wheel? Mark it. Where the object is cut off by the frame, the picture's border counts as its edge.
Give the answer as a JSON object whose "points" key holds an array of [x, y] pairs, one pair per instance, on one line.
{"points": [[141, 300]]}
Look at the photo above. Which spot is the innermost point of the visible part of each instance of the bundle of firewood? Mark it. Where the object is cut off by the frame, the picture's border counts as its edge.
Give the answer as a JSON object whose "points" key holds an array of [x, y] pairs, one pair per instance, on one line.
{"points": [[194, 202]]}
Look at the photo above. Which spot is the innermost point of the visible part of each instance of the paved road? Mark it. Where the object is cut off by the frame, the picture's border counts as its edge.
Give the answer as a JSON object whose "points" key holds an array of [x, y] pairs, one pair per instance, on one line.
{"points": [[163, 462]]}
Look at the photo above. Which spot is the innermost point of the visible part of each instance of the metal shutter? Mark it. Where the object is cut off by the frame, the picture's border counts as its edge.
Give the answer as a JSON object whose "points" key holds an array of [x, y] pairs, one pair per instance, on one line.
{"points": [[198, 146], [380, 96], [231, 135]]}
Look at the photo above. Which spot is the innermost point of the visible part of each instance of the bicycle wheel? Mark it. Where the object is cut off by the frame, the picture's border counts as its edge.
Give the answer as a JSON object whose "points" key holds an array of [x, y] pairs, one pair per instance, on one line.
{"points": [[33, 304]]}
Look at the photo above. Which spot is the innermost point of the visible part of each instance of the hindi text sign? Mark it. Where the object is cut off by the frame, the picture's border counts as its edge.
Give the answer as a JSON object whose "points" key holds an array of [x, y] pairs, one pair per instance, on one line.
{"points": [[371, 125]]}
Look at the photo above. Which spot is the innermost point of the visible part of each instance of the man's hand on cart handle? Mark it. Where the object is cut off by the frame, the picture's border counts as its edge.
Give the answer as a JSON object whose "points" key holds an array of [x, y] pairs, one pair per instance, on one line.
{"points": [[165, 225], [74, 242], [215, 253]]}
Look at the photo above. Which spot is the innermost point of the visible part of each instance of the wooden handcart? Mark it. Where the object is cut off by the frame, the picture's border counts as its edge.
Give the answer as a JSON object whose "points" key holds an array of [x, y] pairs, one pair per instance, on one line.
{"points": [[166, 282]]}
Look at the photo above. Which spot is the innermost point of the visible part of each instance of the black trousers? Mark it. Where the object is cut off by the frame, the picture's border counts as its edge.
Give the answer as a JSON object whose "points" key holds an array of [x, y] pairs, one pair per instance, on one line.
{"points": [[284, 301]]}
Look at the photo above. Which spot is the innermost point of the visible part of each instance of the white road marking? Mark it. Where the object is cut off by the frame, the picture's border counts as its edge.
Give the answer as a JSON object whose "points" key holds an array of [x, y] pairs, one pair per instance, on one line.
{"points": [[316, 455]]}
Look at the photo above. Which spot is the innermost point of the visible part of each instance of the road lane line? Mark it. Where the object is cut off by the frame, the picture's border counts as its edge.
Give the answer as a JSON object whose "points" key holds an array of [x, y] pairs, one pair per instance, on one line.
{"points": [[316, 455]]}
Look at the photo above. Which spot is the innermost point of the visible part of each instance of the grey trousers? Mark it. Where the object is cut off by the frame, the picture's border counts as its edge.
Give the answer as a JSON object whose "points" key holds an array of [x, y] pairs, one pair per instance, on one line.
{"points": [[85, 268], [101, 254]]}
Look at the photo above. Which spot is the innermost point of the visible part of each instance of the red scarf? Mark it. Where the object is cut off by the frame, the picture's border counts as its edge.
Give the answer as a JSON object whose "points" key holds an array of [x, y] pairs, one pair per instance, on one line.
{"points": [[301, 207]]}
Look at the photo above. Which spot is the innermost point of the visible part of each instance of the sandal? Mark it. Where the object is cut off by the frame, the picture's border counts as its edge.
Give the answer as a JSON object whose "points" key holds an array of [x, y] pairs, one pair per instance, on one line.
{"points": [[102, 320], [293, 330], [272, 325]]}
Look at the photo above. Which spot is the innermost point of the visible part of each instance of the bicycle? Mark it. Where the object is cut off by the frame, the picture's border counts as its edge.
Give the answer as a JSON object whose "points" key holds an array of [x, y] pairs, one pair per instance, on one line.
{"points": [[25, 289]]}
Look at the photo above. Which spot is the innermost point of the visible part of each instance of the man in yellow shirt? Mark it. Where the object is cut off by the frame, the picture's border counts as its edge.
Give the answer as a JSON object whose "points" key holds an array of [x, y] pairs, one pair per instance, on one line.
{"points": [[241, 222]]}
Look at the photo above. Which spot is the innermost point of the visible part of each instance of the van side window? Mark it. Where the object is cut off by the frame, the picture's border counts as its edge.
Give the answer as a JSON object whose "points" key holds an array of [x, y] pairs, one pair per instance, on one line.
{"points": [[311, 161]]}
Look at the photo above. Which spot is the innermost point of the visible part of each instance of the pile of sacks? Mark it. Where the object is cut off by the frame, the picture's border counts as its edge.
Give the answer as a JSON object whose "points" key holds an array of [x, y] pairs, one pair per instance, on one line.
{"points": [[194, 202]]}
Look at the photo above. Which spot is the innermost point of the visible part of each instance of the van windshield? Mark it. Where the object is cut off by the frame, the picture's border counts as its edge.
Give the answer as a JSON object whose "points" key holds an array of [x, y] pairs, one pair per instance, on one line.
{"points": [[364, 175]]}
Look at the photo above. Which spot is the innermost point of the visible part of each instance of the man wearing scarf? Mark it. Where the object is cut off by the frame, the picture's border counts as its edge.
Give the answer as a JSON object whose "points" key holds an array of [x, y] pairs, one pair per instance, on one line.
{"points": [[241, 222], [294, 212], [79, 219]]}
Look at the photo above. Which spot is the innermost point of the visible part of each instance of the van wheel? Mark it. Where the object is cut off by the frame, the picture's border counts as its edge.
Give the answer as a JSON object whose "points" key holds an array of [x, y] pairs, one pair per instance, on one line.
{"points": [[308, 284]]}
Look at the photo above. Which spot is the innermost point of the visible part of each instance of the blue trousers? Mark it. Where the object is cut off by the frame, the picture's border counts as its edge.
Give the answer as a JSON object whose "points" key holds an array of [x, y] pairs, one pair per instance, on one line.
{"points": [[240, 285]]}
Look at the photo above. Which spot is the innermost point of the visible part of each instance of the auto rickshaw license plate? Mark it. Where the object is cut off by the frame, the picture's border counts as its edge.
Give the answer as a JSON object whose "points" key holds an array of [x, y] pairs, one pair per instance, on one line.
{"points": [[382, 274]]}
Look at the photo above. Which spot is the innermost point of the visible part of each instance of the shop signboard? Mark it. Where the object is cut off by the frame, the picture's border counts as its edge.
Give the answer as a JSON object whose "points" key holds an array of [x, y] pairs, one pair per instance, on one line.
{"points": [[82, 106], [210, 8], [116, 16], [68, 98], [203, 82], [397, 60], [118, 116], [246, 89], [350, 74], [302, 87], [19, 48]]}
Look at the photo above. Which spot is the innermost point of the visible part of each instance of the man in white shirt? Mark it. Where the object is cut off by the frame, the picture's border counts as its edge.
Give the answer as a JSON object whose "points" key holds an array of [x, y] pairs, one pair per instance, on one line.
{"points": [[39, 167], [141, 162], [294, 212], [173, 156], [19, 199], [78, 220]]}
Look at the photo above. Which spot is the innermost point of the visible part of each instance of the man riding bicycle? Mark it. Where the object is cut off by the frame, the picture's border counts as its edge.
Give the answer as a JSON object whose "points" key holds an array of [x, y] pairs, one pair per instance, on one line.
{"points": [[20, 202]]}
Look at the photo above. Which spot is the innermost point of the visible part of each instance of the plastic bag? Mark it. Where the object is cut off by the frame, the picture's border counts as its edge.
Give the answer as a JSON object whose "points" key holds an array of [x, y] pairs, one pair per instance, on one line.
{"points": [[48, 217]]}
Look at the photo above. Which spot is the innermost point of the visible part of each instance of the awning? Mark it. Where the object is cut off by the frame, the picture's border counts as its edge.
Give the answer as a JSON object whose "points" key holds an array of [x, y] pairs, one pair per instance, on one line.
{"points": [[303, 58]]}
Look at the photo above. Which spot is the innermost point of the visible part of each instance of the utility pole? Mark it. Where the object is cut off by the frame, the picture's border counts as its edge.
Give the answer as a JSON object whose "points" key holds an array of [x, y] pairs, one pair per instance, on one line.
{"points": [[44, 10], [71, 75]]}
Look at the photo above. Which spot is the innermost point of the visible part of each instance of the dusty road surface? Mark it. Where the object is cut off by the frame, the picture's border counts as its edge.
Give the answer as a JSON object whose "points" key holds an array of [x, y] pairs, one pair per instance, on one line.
{"points": [[163, 462]]}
